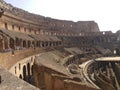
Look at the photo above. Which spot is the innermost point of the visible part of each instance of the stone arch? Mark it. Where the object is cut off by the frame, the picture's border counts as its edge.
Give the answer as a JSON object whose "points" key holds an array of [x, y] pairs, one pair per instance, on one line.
{"points": [[50, 44], [1, 42], [15, 70], [6, 25], [39, 43], [17, 41], [57, 43], [19, 66], [117, 51], [20, 76], [24, 73], [11, 43], [60, 43], [5, 42], [24, 43], [13, 27], [28, 68], [53, 43], [43, 44], [46, 43], [32, 69]]}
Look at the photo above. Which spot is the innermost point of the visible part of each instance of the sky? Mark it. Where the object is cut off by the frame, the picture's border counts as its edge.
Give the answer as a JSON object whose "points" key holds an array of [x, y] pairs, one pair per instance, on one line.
{"points": [[105, 12]]}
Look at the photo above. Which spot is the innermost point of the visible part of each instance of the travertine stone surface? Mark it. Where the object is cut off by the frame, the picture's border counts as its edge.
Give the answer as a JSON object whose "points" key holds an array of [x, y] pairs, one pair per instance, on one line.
{"points": [[50, 24], [11, 82]]}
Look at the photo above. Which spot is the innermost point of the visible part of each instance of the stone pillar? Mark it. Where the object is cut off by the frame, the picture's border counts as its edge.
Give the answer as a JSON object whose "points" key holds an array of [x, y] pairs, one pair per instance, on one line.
{"points": [[21, 43], [8, 43], [3, 43], [39, 77], [40, 43], [2, 47]]}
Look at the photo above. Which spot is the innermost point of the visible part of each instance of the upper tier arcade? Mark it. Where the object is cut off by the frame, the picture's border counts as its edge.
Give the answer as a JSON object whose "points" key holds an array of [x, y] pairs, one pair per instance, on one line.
{"points": [[23, 21]]}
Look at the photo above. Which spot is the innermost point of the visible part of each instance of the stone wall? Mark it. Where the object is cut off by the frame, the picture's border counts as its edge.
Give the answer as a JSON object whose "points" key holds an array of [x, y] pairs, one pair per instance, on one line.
{"points": [[36, 23], [48, 79], [70, 85], [7, 60], [11, 82], [102, 84], [17, 68]]}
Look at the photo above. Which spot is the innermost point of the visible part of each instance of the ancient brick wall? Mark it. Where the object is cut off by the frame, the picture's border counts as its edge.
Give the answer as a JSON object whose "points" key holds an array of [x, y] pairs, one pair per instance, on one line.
{"points": [[7, 60]]}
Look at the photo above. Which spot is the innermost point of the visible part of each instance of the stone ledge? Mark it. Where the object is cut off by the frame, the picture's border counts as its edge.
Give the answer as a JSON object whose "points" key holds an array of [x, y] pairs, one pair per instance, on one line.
{"points": [[11, 82]]}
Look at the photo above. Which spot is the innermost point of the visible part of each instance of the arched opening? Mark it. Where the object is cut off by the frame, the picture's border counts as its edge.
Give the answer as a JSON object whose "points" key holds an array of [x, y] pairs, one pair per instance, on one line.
{"points": [[103, 33], [11, 43], [117, 51], [32, 69], [31, 78], [53, 43], [6, 26], [13, 27], [59, 43], [43, 44], [15, 70], [50, 44], [28, 68], [5, 42], [19, 66], [1, 44], [56, 43], [24, 73], [46, 43], [24, 43], [20, 76], [19, 28]]}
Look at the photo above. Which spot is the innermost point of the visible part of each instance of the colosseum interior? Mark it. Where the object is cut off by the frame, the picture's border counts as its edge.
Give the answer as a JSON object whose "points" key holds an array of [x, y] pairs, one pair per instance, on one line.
{"points": [[41, 53]]}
